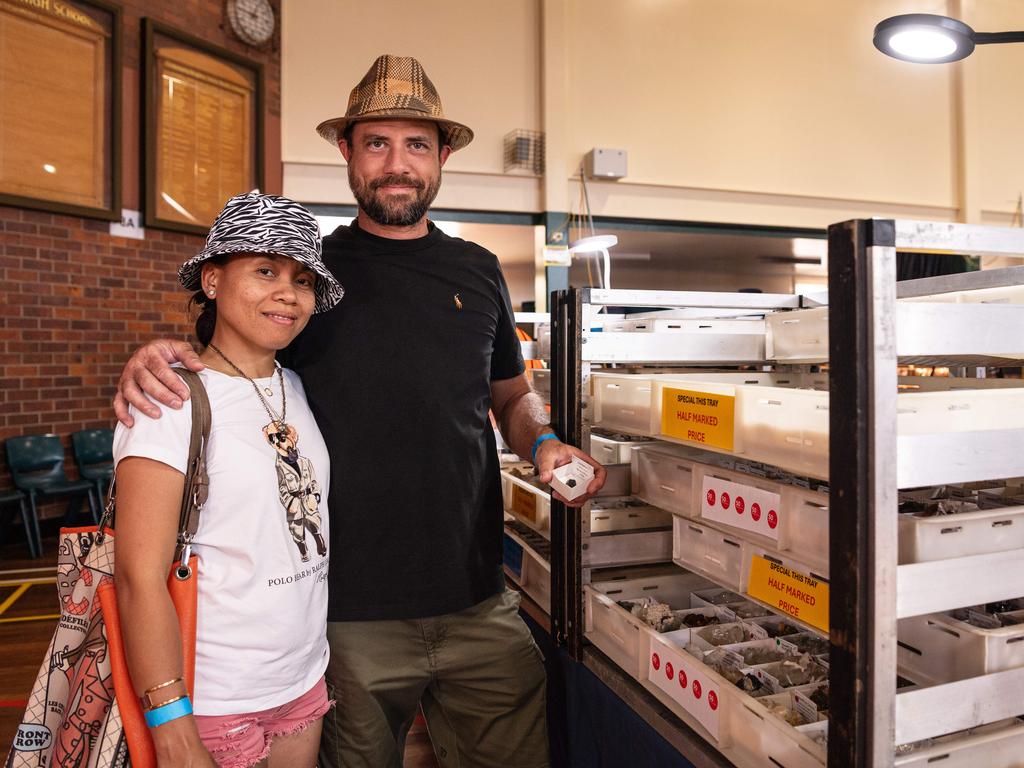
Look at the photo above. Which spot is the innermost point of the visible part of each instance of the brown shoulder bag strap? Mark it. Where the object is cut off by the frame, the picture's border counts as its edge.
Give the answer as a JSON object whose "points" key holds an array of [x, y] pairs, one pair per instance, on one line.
{"points": [[197, 482]]}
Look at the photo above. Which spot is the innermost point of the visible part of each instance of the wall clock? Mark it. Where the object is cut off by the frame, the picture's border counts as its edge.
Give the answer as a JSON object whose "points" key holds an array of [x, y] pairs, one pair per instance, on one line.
{"points": [[251, 20]]}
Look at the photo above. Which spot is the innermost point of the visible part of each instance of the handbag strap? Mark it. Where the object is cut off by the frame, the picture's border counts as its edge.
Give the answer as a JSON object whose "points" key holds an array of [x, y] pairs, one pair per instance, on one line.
{"points": [[197, 481]]}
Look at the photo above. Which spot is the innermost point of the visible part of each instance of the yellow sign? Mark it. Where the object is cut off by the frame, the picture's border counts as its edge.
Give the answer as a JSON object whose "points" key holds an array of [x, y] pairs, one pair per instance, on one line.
{"points": [[802, 596], [705, 418], [524, 503]]}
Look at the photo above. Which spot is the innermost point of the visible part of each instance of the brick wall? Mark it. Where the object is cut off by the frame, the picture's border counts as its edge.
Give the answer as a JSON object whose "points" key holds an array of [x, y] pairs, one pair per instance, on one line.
{"points": [[74, 300]]}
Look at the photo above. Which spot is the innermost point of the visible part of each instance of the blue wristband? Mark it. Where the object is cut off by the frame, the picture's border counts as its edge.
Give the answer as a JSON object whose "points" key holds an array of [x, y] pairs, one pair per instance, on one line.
{"points": [[168, 712], [536, 445]]}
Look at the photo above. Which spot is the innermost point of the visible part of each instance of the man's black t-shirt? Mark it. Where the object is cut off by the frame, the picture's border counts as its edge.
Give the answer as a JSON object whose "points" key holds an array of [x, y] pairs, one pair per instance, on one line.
{"points": [[398, 376]]}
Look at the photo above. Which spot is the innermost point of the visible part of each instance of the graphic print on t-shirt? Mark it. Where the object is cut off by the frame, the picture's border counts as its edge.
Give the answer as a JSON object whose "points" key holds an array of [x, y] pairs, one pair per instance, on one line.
{"points": [[297, 485]]}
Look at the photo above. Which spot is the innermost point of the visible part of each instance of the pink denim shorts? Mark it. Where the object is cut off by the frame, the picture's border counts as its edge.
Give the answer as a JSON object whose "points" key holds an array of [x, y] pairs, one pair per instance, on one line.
{"points": [[241, 741]]}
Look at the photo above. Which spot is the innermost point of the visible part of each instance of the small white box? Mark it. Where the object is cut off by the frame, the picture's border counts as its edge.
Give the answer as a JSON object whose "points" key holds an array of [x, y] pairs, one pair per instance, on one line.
{"points": [[571, 480], [606, 163]]}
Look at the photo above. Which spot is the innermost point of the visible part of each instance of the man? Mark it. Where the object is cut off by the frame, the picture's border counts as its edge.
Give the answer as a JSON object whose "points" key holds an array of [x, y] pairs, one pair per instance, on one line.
{"points": [[400, 377]]}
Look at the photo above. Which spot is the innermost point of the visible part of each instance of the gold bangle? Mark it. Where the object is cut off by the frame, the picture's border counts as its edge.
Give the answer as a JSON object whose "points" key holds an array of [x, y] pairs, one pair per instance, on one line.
{"points": [[147, 696], [161, 685], [165, 703]]}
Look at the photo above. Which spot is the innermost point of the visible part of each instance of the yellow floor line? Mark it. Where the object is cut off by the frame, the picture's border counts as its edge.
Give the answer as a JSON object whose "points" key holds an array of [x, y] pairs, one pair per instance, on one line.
{"points": [[17, 582], [9, 571], [13, 597], [12, 619]]}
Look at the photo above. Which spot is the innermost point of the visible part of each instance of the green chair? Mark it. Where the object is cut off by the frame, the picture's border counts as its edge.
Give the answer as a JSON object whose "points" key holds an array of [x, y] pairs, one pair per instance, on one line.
{"points": [[10, 497], [94, 456], [37, 468]]}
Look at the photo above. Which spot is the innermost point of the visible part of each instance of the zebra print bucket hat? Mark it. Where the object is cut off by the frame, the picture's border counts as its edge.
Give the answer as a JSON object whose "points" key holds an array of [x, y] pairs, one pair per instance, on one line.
{"points": [[396, 87], [258, 223]]}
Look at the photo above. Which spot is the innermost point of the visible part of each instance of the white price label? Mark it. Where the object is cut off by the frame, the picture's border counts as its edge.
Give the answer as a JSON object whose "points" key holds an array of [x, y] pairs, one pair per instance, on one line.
{"points": [[741, 506], [768, 680], [808, 709], [686, 682], [757, 632]]}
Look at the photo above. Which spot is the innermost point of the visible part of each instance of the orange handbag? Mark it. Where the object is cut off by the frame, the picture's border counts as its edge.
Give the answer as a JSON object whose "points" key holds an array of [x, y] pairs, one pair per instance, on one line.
{"points": [[82, 710], [183, 595], [181, 584]]}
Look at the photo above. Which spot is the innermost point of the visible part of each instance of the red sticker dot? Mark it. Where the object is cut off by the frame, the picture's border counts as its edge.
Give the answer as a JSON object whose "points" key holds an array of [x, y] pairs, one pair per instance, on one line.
{"points": [[725, 500], [740, 505], [773, 518], [682, 679], [755, 511], [696, 688], [669, 672], [712, 700], [656, 661], [711, 497]]}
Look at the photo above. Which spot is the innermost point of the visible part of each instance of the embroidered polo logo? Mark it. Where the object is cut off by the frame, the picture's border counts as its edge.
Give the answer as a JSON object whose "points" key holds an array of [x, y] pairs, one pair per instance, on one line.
{"points": [[458, 301]]}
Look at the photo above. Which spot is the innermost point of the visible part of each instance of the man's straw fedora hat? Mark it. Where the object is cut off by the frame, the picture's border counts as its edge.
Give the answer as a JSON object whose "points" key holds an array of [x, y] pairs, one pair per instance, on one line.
{"points": [[396, 87]]}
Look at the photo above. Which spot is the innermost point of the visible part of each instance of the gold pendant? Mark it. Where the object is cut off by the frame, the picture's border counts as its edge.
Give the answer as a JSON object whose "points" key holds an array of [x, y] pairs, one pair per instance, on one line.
{"points": [[458, 302]]}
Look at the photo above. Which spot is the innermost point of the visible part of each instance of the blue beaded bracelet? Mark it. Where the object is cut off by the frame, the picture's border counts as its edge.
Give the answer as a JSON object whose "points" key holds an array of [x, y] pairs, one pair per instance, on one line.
{"points": [[167, 712], [536, 445]]}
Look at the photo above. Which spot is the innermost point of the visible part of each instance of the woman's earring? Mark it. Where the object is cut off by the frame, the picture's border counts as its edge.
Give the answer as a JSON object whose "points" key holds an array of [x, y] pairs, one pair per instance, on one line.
{"points": [[212, 293]]}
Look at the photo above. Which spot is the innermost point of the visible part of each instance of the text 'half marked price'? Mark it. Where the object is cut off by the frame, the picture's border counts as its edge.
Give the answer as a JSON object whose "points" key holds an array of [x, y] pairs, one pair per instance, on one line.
{"points": [[705, 418], [801, 595]]}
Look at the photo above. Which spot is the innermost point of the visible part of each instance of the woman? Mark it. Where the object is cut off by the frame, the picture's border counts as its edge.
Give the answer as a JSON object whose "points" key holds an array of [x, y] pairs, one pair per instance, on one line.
{"points": [[261, 647]]}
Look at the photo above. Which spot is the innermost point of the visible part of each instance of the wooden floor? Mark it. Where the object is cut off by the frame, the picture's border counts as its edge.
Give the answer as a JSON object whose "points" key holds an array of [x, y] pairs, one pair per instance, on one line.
{"points": [[28, 612]]}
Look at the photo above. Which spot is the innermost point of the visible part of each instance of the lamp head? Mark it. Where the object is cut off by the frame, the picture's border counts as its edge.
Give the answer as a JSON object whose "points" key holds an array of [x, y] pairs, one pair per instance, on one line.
{"points": [[594, 244], [924, 38]]}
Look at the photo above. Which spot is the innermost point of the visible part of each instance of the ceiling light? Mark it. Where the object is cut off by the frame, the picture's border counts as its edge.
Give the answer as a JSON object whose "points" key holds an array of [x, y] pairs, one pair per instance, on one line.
{"points": [[925, 38], [49, 168]]}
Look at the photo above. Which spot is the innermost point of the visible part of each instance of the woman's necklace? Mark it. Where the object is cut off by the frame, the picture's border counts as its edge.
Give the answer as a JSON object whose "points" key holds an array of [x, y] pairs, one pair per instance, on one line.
{"points": [[278, 433]]}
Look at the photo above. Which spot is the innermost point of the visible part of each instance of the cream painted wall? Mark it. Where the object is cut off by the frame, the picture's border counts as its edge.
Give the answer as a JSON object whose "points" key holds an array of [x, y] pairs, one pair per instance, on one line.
{"points": [[482, 56], [780, 98], [999, 74], [740, 111]]}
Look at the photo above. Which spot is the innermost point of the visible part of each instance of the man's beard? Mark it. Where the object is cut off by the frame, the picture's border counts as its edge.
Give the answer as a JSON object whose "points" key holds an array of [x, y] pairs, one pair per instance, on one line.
{"points": [[393, 212]]}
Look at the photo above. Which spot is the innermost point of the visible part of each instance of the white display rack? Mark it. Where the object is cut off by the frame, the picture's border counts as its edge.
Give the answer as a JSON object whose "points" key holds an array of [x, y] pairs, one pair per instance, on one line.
{"points": [[870, 331], [907, 434], [664, 474]]}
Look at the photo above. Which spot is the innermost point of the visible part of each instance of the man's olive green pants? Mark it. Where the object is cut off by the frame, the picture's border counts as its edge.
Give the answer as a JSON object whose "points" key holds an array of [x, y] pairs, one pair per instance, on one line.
{"points": [[477, 673]]}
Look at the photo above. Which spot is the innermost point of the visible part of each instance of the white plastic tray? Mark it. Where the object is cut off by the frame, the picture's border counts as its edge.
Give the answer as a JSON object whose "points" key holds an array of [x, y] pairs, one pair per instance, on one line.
{"points": [[707, 341], [938, 648], [631, 403], [664, 480], [709, 552], [786, 517], [527, 503], [999, 745], [925, 328], [924, 539], [608, 450], [688, 684], [608, 550], [787, 427], [626, 515], [613, 629], [535, 574], [761, 736]]}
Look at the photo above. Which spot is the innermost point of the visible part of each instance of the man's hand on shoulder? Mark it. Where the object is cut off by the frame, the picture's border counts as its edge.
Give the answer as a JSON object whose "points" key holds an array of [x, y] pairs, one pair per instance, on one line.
{"points": [[149, 372], [555, 453]]}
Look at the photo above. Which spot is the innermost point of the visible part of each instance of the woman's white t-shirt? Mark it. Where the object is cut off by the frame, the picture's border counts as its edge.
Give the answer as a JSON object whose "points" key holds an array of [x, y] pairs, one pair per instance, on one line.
{"points": [[262, 616]]}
